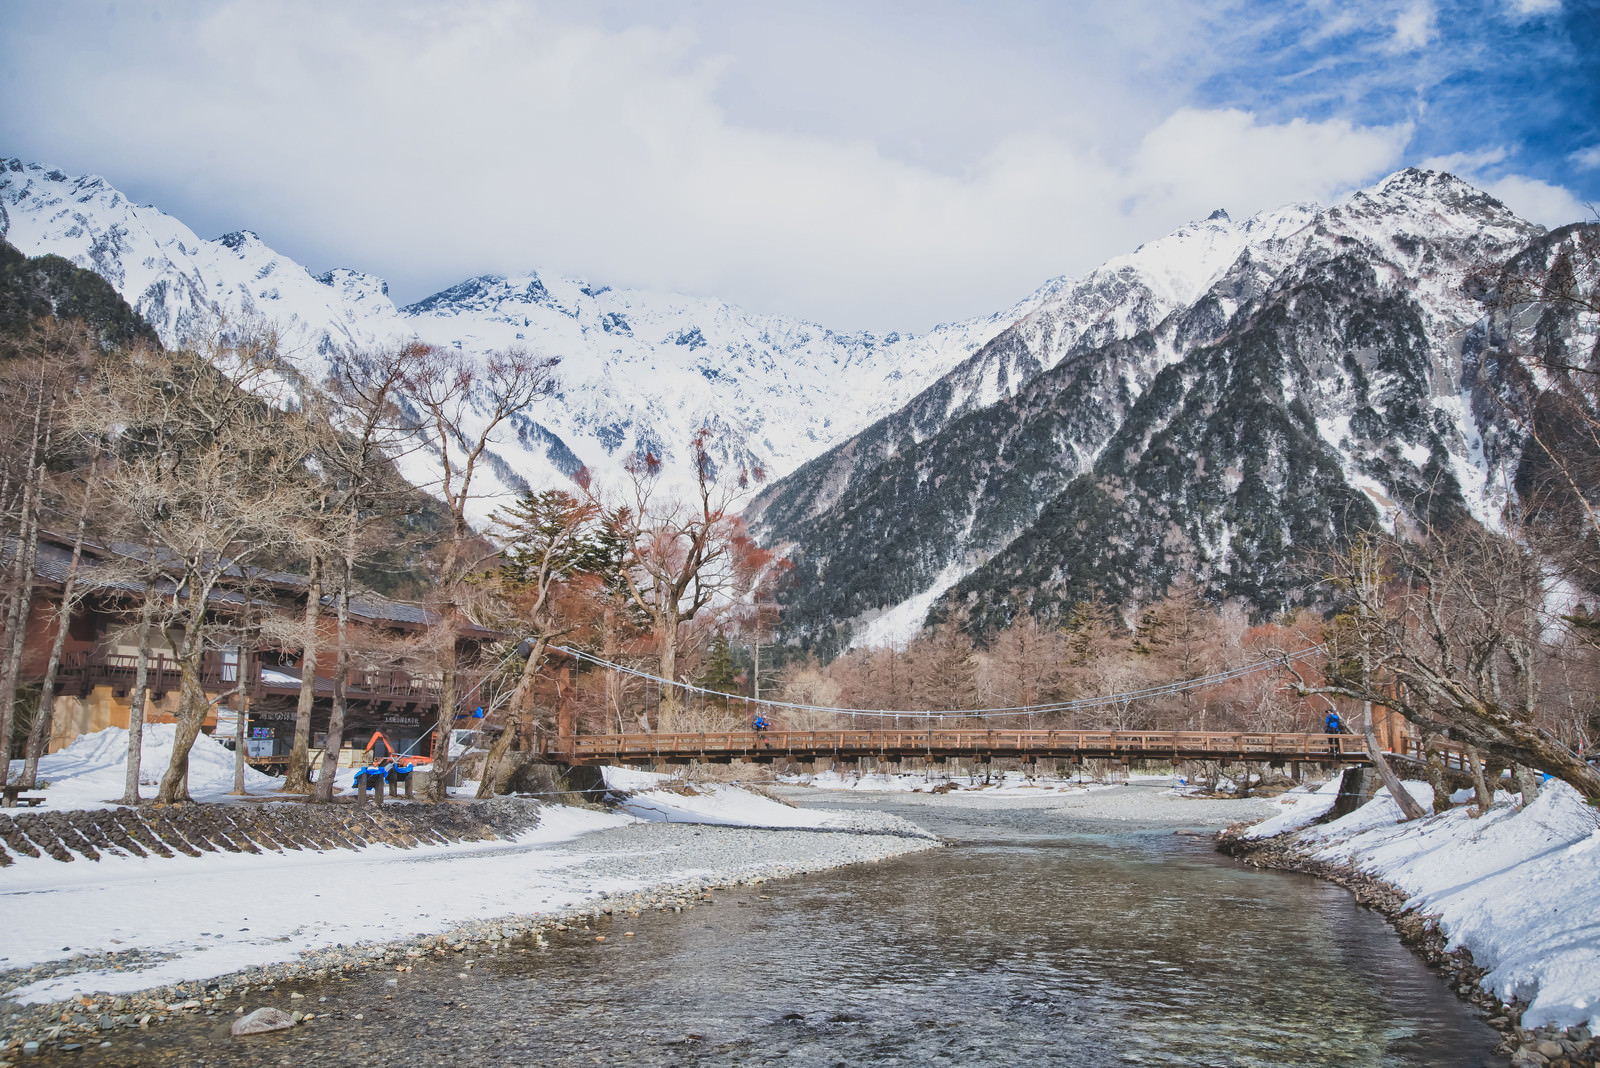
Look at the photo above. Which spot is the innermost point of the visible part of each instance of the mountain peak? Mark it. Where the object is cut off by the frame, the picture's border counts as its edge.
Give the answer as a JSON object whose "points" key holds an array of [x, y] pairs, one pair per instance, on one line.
{"points": [[239, 239], [1439, 186]]}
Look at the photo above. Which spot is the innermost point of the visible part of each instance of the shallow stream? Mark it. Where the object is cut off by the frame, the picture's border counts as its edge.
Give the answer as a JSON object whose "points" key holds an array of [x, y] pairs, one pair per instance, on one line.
{"points": [[1036, 938]]}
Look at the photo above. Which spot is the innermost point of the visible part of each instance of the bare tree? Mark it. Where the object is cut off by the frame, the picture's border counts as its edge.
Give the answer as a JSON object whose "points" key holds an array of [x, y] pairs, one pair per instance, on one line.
{"points": [[73, 591], [684, 557], [463, 402], [362, 432], [1447, 629], [209, 473], [36, 384], [1022, 665]]}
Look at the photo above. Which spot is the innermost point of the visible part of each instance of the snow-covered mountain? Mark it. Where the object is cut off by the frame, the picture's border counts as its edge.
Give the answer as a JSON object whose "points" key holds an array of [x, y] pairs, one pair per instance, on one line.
{"points": [[1215, 405], [640, 371]]}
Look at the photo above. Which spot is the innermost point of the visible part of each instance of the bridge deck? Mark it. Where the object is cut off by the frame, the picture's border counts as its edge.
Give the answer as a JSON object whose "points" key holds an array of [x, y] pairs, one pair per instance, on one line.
{"points": [[724, 746]]}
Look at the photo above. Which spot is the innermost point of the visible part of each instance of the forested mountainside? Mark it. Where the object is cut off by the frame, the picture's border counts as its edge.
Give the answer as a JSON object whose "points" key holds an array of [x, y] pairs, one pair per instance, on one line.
{"points": [[1324, 377], [49, 286], [641, 372]]}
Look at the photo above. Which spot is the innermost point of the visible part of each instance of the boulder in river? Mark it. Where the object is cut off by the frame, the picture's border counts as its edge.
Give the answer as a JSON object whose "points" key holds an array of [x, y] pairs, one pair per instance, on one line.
{"points": [[261, 1021]]}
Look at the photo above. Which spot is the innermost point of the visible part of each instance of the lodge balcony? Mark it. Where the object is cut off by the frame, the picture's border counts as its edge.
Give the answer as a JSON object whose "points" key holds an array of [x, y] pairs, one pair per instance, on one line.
{"points": [[82, 671]]}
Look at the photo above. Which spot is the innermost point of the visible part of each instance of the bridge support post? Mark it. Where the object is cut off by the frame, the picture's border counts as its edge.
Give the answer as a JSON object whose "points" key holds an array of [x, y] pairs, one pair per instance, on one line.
{"points": [[1356, 788]]}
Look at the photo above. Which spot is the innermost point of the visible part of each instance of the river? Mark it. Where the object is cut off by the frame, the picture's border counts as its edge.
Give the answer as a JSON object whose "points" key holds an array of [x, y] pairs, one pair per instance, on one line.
{"points": [[1037, 937]]}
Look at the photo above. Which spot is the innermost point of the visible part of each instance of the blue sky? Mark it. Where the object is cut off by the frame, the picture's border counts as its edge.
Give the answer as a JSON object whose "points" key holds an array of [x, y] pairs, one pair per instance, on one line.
{"points": [[882, 166]]}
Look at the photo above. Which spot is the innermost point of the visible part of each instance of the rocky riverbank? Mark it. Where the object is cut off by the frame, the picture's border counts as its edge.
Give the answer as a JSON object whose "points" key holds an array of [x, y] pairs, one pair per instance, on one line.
{"points": [[1558, 1047], [621, 871]]}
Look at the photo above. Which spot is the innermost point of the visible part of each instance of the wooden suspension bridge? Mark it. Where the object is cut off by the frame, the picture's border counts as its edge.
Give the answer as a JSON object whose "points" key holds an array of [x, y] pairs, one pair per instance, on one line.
{"points": [[982, 738], [976, 744]]}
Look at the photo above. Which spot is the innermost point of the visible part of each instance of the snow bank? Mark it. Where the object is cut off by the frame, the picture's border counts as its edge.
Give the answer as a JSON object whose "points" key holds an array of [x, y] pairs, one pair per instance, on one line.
{"points": [[1304, 805], [725, 806], [223, 912], [1012, 782], [632, 778], [1519, 888], [90, 773]]}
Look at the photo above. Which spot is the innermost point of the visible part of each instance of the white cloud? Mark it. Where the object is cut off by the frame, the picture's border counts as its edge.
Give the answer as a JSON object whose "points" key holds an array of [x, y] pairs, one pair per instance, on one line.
{"points": [[1534, 8], [428, 147], [1587, 158], [1537, 200], [1463, 164], [1532, 198], [1413, 28]]}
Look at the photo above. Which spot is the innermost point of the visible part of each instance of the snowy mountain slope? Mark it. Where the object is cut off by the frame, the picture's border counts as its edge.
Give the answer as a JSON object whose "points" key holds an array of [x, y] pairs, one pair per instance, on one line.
{"points": [[640, 371], [1125, 297], [1314, 378]]}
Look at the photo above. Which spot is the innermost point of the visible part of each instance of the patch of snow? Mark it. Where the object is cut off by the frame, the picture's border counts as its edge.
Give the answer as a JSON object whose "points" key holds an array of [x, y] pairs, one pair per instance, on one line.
{"points": [[90, 772], [898, 625], [725, 806], [297, 901], [1303, 806]]}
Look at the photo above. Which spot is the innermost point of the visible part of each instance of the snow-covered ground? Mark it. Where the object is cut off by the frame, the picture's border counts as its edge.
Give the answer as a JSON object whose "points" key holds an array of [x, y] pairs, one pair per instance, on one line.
{"points": [[197, 917], [1010, 783], [90, 772], [1517, 886], [222, 912]]}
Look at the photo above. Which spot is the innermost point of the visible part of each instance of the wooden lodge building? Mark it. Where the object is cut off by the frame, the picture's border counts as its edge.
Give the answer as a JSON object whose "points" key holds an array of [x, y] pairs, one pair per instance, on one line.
{"points": [[100, 657]]}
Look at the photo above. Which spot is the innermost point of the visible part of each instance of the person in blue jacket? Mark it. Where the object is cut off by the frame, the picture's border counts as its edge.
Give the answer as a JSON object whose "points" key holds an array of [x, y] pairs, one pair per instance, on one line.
{"points": [[1335, 725], [761, 724]]}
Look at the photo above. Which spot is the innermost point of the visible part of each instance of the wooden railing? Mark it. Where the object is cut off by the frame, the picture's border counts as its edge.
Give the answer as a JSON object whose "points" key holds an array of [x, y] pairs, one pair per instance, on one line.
{"points": [[82, 671], [715, 747]]}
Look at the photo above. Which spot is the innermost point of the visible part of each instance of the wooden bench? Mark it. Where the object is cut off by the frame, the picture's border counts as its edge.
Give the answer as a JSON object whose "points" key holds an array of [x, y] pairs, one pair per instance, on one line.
{"points": [[13, 796]]}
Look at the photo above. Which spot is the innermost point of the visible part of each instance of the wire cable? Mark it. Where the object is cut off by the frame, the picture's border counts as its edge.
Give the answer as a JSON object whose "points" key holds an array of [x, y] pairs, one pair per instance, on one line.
{"points": [[1075, 705]]}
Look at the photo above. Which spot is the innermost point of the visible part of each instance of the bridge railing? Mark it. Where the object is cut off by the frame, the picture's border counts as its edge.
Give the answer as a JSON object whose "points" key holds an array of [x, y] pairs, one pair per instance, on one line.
{"points": [[1187, 745]]}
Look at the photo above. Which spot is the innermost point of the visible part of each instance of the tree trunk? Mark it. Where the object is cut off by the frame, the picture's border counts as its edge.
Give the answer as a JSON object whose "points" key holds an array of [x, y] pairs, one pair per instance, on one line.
{"points": [[1436, 777], [1409, 808], [1480, 782], [515, 711], [19, 604], [136, 702], [298, 778], [239, 732], [44, 719], [667, 711], [439, 771], [17, 613], [323, 790], [1527, 780], [496, 755], [192, 700]]}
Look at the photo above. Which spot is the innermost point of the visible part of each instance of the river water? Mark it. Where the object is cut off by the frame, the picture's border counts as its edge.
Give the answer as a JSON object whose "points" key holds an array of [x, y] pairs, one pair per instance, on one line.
{"points": [[1037, 937]]}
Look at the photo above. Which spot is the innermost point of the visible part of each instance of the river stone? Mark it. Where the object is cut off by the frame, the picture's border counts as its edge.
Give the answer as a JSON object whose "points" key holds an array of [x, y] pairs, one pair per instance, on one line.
{"points": [[262, 1021], [1550, 1049]]}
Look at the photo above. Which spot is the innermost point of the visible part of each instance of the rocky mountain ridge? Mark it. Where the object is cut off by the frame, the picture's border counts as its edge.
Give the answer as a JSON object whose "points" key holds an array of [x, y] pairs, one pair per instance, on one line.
{"points": [[1318, 379]]}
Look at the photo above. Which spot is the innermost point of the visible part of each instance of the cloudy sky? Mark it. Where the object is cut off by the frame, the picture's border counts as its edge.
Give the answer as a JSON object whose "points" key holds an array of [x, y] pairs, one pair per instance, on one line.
{"points": [[867, 165]]}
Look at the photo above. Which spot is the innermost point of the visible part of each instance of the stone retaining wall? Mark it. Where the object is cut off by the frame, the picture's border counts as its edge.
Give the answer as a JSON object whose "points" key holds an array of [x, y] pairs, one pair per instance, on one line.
{"points": [[193, 829]]}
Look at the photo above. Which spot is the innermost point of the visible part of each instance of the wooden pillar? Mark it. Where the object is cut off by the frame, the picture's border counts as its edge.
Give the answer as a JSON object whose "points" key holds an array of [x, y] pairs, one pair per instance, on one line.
{"points": [[566, 708]]}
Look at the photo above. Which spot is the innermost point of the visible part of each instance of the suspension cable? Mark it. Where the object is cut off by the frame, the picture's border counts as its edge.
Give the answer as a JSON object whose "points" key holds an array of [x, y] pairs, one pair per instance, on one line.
{"points": [[1076, 705]]}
